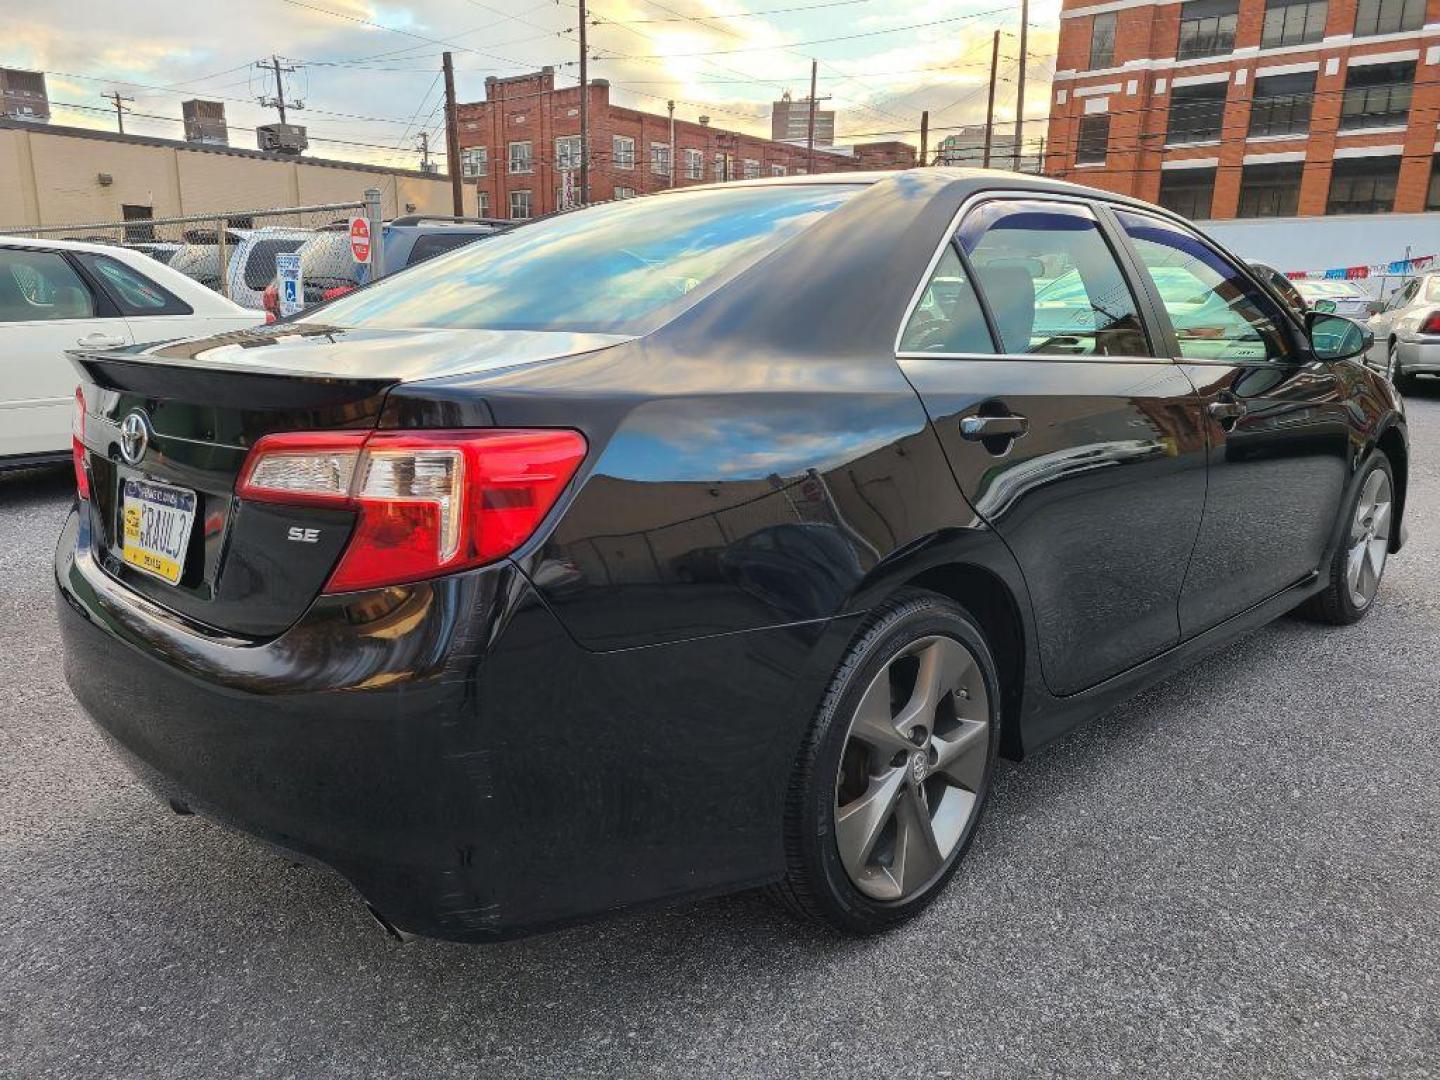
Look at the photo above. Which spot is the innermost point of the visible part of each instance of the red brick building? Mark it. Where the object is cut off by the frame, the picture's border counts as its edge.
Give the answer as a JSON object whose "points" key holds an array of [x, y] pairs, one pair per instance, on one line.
{"points": [[519, 144], [1251, 108]]}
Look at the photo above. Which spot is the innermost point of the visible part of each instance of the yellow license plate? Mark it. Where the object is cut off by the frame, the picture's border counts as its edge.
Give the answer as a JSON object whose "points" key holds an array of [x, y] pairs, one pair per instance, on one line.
{"points": [[155, 527]]}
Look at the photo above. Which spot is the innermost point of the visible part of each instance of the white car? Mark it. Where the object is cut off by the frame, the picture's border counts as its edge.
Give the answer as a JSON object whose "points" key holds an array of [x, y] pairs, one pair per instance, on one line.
{"points": [[60, 294]]}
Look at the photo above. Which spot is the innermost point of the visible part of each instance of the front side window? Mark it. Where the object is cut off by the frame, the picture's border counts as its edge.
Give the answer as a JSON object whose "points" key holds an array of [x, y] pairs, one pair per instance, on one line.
{"points": [[1388, 16], [1051, 281], [1282, 104], [1216, 311], [622, 147], [1102, 40], [40, 286], [1270, 190], [519, 205], [623, 267], [1093, 141], [520, 158], [948, 318], [1207, 28], [567, 152], [1377, 95], [1197, 113], [1363, 185], [1293, 22], [474, 161], [1188, 192]]}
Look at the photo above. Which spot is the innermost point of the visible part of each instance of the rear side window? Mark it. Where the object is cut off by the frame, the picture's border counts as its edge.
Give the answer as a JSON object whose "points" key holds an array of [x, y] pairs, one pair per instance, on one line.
{"points": [[1052, 283], [622, 267], [134, 293], [432, 244], [260, 267], [1432, 289], [39, 286], [948, 318]]}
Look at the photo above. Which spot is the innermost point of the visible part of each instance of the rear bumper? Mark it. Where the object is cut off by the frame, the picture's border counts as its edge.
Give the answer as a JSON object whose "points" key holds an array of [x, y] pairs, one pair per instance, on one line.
{"points": [[1417, 357], [447, 747]]}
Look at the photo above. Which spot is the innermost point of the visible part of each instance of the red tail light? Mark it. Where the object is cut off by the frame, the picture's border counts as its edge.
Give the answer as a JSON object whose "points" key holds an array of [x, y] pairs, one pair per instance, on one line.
{"points": [[339, 290], [77, 446], [427, 502], [1431, 325]]}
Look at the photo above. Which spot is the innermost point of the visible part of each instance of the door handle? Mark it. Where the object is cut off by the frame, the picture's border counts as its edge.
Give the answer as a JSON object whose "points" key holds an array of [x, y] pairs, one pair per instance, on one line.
{"points": [[1227, 409], [976, 428], [100, 341]]}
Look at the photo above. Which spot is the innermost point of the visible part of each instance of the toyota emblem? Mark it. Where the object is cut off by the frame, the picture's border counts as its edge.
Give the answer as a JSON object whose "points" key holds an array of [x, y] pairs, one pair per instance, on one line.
{"points": [[134, 437]]}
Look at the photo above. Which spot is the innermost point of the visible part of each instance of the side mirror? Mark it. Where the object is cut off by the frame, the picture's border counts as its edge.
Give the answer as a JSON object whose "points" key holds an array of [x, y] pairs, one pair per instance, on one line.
{"points": [[1334, 337]]}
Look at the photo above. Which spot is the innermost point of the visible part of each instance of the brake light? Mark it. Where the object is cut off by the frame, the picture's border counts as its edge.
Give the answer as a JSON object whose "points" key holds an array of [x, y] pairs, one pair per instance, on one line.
{"points": [[1431, 325], [427, 502], [77, 445]]}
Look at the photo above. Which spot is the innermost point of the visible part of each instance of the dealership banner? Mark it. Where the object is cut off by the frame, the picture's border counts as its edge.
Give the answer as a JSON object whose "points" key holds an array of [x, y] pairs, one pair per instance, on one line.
{"points": [[1398, 268]]}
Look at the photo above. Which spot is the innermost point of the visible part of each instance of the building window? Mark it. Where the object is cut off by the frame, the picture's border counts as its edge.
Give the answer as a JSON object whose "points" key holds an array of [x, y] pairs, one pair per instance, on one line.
{"points": [[1270, 190], [624, 193], [1207, 28], [1388, 16], [752, 169], [694, 164], [519, 205], [720, 167], [1188, 192], [567, 152], [777, 170], [474, 161], [1363, 185], [1093, 140], [136, 234], [1102, 40], [1377, 95], [1282, 104], [1432, 196], [520, 159], [1196, 113], [622, 148], [482, 204], [1293, 22], [660, 158]]}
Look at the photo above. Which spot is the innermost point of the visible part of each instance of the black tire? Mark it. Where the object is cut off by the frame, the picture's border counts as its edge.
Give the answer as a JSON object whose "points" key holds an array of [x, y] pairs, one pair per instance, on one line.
{"points": [[1403, 382], [1335, 605], [816, 884]]}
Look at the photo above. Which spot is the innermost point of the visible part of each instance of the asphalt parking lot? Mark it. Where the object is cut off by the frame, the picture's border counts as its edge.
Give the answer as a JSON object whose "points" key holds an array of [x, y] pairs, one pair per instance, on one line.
{"points": [[1236, 874]]}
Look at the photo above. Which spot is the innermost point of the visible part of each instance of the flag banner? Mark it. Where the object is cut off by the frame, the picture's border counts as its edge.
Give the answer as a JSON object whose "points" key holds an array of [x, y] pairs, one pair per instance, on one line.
{"points": [[1397, 268]]}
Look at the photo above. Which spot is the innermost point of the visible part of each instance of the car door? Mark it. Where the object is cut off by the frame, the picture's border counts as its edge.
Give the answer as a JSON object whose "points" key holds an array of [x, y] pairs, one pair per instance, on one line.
{"points": [[1275, 419], [46, 307], [152, 312], [1069, 436]]}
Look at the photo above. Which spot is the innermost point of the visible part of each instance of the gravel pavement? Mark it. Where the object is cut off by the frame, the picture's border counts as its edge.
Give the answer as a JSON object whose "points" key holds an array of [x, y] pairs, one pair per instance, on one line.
{"points": [[1235, 874]]}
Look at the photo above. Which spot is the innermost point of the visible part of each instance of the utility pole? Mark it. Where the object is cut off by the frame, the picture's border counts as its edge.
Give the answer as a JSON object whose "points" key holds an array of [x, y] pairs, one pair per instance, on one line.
{"points": [[925, 137], [278, 102], [117, 99], [452, 139], [584, 110], [424, 141], [670, 105], [990, 101], [810, 126], [1020, 86]]}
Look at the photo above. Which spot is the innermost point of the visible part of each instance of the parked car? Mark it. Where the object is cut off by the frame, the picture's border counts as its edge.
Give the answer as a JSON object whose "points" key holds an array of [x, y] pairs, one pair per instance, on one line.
{"points": [[59, 294], [402, 584], [1407, 332], [1281, 284], [328, 270], [252, 262], [160, 251], [1336, 297]]}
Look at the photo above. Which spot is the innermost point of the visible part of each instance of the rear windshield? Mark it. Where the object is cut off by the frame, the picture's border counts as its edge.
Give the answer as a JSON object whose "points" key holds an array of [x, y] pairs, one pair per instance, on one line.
{"points": [[619, 268]]}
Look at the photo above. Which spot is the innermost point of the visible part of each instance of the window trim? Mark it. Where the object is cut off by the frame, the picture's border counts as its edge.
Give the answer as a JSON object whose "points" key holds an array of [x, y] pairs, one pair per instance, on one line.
{"points": [[1109, 232]]}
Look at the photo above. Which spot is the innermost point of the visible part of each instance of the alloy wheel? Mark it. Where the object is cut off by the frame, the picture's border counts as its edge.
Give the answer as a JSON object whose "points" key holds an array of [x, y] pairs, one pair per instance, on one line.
{"points": [[1369, 539], [912, 768]]}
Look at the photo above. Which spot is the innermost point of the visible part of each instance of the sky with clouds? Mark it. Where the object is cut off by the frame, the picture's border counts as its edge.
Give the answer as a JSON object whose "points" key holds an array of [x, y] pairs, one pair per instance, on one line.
{"points": [[368, 72]]}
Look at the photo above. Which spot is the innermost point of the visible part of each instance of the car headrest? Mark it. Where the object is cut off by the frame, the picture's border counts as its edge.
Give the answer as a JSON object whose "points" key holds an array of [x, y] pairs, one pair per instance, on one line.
{"points": [[1011, 292]]}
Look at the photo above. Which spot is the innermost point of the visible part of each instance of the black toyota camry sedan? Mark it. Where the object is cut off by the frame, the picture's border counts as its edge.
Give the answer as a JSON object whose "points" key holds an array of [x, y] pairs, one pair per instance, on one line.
{"points": [[716, 539]]}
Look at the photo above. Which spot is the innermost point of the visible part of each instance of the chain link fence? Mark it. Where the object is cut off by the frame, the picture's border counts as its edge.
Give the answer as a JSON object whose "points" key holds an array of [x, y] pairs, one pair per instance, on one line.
{"points": [[234, 252]]}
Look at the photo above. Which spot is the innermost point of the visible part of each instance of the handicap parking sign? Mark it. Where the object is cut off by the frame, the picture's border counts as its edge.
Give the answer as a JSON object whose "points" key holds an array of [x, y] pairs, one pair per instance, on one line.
{"points": [[292, 290]]}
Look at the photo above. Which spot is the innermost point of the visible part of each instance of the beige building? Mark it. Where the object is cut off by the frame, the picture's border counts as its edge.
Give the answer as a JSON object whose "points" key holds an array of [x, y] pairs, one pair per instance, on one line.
{"points": [[53, 175]]}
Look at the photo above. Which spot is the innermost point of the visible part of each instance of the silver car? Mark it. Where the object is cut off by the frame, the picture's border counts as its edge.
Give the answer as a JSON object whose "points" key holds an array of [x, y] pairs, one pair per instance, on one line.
{"points": [[1336, 297], [1407, 332]]}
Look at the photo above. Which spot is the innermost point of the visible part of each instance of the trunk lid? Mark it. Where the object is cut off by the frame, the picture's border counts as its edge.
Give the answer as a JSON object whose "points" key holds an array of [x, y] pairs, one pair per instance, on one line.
{"points": [[251, 569]]}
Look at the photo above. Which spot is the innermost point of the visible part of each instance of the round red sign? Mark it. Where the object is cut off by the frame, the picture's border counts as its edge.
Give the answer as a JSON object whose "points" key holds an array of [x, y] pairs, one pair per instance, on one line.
{"points": [[360, 239]]}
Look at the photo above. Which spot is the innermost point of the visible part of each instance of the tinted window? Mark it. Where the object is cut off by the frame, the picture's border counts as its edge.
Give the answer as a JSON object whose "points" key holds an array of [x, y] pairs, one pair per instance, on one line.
{"points": [[617, 267], [260, 267], [948, 318], [326, 262], [1051, 281], [132, 291], [1217, 313], [40, 285], [432, 244]]}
